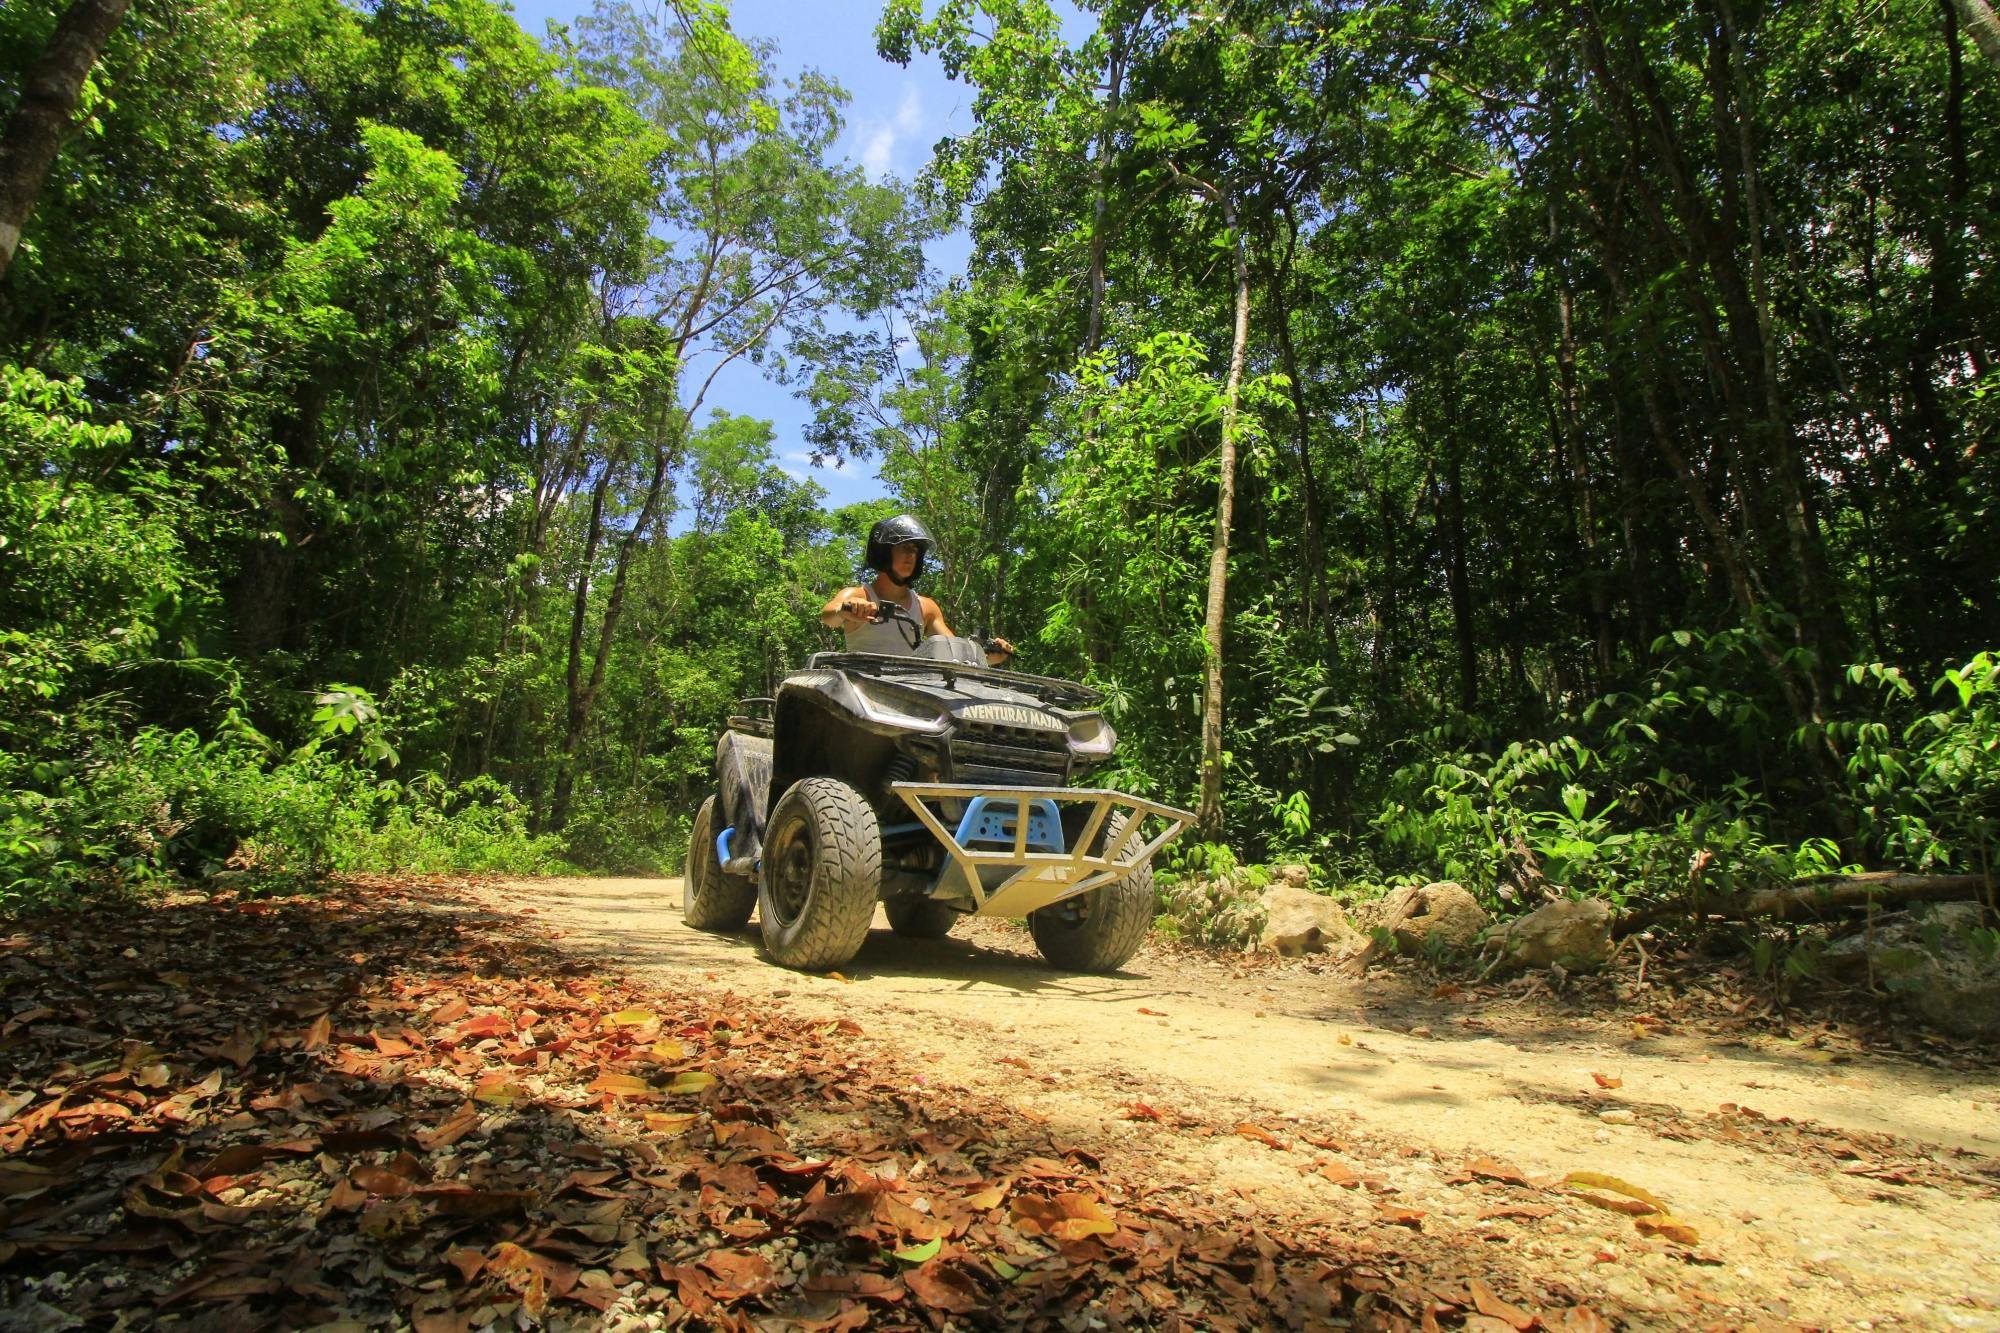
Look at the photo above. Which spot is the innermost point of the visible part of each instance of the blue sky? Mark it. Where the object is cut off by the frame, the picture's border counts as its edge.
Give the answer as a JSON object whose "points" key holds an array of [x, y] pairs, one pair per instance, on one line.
{"points": [[894, 118]]}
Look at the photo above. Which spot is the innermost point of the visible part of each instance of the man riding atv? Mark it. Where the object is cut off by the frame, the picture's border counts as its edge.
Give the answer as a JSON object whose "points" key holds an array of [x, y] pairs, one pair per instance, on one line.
{"points": [[909, 771], [866, 614]]}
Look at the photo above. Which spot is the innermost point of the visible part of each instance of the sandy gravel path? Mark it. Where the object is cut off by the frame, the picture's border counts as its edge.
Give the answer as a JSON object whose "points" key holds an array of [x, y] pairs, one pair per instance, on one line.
{"points": [[1836, 1191]]}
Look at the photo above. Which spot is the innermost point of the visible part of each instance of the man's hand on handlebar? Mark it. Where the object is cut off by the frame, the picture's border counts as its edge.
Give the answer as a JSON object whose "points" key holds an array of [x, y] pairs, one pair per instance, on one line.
{"points": [[998, 650], [857, 608]]}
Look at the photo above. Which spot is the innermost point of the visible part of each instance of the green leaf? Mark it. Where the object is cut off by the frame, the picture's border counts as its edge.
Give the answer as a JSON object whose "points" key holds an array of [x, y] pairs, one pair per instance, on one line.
{"points": [[919, 1254]]}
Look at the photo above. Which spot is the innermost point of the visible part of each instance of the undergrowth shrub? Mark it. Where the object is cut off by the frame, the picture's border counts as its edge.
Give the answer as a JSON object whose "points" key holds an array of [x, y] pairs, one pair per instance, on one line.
{"points": [[159, 807], [1629, 804], [428, 826], [1221, 912], [1204, 895], [626, 833]]}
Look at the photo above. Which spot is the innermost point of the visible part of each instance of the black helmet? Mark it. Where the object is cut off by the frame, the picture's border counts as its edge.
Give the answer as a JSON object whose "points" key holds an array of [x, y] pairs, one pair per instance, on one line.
{"points": [[886, 536]]}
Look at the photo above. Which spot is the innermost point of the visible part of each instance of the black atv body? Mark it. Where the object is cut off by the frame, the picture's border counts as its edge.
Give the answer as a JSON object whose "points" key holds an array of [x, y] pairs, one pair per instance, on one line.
{"points": [[936, 785]]}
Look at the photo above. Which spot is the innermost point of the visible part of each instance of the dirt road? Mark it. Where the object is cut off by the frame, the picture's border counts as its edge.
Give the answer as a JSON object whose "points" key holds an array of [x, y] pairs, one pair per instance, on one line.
{"points": [[1819, 1189]]}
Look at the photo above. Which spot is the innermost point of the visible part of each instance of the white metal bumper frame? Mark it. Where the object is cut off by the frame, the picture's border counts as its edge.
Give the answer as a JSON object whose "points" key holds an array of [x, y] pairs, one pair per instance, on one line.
{"points": [[1024, 879]]}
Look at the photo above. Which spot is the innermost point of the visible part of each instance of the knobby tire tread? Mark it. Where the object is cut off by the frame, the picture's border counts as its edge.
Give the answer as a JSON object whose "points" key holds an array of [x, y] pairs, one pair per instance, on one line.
{"points": [[711, 898], [1120, 913], [834, 923]]}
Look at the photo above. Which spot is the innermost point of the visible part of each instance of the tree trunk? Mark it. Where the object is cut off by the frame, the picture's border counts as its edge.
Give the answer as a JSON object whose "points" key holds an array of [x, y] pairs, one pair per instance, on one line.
{"points": [[1569, 417], [49, 96], [1115, 80], [1314, 592], [1817, 898], [583, 696], [1209, 810], [1983, 23], [576, 714], [1820, 619], [1458, 583]]}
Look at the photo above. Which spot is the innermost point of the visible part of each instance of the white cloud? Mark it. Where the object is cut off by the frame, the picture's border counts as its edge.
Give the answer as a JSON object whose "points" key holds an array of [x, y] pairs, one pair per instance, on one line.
{"points": [[799, 465], [881, 137]]}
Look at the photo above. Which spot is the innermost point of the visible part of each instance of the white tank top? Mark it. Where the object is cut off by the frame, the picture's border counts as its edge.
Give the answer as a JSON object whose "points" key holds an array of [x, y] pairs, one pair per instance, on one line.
{"points": [[887, 636]]}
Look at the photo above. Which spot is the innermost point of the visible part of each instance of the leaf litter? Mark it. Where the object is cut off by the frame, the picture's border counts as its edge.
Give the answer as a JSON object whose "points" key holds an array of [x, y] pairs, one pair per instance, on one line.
{"points": [[376, 1106]]}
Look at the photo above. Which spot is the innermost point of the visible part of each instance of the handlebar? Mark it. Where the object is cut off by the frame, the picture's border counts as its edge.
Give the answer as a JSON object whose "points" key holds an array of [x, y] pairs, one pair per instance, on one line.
{"points": [[891, 612]]}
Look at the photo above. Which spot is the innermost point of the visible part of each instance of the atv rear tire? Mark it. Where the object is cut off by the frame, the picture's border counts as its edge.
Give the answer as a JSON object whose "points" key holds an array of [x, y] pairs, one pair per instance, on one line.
{"points": [[1098, 931], [711, 897], [919, 918], [822, 874]]}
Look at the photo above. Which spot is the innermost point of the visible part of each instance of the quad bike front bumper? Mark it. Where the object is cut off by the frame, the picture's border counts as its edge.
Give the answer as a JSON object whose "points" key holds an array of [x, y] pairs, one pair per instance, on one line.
{"points": [[1009, 853]]}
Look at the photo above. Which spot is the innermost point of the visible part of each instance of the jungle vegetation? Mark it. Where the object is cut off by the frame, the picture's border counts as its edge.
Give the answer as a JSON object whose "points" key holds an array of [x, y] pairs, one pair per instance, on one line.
{"points": [[1494, 439]]}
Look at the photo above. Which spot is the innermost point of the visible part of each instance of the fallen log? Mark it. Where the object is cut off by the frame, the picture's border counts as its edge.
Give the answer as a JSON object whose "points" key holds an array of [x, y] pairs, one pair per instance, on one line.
{"points": [[1821, 896]]}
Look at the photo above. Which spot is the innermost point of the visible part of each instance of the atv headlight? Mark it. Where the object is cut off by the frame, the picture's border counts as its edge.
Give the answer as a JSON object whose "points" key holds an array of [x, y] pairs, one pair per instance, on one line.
{"points": [[1091, 735], [898, 709]]}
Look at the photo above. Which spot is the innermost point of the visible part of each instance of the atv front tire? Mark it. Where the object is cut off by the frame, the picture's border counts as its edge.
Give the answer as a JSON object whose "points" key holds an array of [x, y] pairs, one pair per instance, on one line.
{"points": [[822, 874], [919, 918], [711, 897], [1098, 931]]}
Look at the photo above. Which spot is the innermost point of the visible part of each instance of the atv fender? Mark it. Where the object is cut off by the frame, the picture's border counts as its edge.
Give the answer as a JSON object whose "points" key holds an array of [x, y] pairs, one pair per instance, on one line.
{"points": [[743, 779]]}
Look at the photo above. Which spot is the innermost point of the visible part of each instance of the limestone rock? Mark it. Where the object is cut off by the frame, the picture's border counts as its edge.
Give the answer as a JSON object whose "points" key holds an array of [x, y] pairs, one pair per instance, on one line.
{"points": [[1941, 961], [1573, 932], [1298, 921], [1298, 876], [1443, 911]]}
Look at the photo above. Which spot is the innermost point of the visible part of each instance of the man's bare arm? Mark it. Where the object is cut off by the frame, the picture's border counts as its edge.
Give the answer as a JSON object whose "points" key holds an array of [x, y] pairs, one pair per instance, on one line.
{"points": [[934, 618], [850, 607]]}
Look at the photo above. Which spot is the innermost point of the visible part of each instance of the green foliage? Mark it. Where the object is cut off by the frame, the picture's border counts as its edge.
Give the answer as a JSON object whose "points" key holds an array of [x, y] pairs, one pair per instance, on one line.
{"points": [[360, 505], [1621, 819], [1929, 793], [1218, 908], [348, 345], [431, 827]]}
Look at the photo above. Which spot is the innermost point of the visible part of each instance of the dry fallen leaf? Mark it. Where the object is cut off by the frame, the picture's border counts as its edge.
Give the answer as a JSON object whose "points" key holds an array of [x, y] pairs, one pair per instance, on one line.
{"points": [[1485, 1168], [1607, 1080], [1493, 1307], [1668, 1228], [1083, 1216], [946, 1289], [1597, 1180], [621, 1085], [462, 1122], [1339, 1175], [1261, 1135], [1629, 1207]]}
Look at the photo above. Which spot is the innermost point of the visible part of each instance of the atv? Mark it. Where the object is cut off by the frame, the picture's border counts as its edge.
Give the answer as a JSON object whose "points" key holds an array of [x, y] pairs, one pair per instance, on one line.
{"points": [[936, 785]]}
